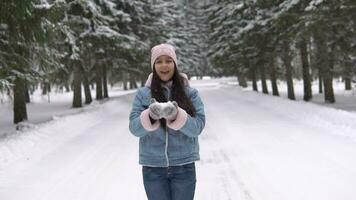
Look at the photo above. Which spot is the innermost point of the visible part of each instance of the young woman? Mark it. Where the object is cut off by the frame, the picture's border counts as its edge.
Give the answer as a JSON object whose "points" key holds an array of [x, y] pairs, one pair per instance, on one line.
{"points": [[168, 116]]}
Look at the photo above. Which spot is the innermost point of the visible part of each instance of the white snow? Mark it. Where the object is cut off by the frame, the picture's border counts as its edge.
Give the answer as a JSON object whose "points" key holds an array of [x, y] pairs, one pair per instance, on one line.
{"points": [[263, 17], [254, 147], [44, 108], [313, 5], [43, 5]]}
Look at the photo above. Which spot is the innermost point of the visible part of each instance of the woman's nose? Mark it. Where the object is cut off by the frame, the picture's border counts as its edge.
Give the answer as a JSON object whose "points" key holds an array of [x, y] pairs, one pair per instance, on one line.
{"points": [[164, 64]]}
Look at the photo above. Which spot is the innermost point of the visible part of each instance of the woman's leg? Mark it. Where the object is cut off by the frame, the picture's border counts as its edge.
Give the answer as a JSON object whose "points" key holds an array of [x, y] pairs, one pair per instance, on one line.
{"points": [[156, 183], [182, 182]]}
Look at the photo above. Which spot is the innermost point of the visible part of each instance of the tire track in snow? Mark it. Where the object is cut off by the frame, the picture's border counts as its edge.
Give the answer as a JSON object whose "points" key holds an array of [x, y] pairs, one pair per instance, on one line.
{"points": [[214, 155], [279, 154], [89, 166]]}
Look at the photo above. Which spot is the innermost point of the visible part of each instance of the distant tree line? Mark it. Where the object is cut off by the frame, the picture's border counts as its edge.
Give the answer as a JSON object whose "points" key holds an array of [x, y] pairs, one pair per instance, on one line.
{"points": [[283, 40]]}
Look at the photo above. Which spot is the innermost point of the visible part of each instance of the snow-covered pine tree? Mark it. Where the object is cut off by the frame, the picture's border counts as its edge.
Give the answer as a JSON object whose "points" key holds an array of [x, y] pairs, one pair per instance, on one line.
{"points": [[228, 21], [185, 26], [97, 26], [253, 33], [145, 20], [22, 26]]}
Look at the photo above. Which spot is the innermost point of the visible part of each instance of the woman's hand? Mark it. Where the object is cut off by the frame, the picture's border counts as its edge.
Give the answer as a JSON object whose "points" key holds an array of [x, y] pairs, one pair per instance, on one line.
{"points": [[170, 111], [167, 110], [155, 109]]}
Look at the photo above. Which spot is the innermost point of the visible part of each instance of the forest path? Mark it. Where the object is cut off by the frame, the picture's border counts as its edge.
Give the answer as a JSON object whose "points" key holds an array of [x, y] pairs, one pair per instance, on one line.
{"points": [[254, 147]]}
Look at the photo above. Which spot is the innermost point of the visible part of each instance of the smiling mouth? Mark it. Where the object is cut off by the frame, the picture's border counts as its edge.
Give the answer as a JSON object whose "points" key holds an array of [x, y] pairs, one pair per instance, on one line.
{"points": [[166, 72]]}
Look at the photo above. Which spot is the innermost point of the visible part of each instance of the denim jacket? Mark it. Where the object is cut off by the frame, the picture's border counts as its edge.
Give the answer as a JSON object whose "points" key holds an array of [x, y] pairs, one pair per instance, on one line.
{"points": [[177, 144]]}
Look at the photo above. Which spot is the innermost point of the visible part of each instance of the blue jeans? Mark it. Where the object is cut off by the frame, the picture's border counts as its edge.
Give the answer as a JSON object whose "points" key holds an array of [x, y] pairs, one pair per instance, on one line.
{"points": [[170, 183]]}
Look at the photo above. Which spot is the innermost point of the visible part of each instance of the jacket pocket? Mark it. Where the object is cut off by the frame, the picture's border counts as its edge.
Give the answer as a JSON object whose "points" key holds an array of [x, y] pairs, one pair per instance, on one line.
{"points": [[181, 145]]}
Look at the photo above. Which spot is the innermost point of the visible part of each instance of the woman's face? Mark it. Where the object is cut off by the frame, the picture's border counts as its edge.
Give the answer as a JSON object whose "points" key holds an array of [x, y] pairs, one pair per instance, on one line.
{"points": [[164, 66]]}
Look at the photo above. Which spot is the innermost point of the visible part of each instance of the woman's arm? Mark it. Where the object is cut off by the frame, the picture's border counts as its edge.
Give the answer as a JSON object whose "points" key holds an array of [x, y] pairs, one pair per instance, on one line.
{"points": [[140, 123], [186, 124]]}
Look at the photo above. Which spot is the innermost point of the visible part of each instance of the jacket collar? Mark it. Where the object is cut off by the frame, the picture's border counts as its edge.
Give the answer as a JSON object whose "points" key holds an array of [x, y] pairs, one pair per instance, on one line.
{"points": [[185, 80]]}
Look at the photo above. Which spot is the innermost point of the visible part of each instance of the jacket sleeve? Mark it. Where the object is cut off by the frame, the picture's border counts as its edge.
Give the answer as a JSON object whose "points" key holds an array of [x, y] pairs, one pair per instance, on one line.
{"points": [[186, 124], [140, 123]]}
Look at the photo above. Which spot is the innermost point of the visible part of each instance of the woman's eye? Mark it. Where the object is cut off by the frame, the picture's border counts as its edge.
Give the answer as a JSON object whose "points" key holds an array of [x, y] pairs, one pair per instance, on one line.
{"points": [[158, 61], [169, 61]]}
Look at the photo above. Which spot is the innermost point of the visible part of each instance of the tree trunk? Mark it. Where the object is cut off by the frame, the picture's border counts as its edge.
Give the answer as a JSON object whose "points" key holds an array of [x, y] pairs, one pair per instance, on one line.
{"points": [[322, 60], [320, 77], [44, 88], [20, 112], [133, 84], [105, 82], [27, 93], [273, 76], [348, 83], [88, 98], [125, 80], [98, 80], [347, 72], [77, 85], [263, 78], [66, 86], [306, 70], [254, 79], [287, 59], [241, 78], [143, 80]]}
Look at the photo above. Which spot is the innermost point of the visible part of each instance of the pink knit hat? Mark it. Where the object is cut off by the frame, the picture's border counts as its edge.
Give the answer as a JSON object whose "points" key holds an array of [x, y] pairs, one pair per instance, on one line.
{"points": [[163, 49]]}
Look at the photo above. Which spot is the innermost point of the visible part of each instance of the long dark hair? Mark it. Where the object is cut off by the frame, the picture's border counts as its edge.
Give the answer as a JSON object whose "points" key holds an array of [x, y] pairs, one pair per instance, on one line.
{"points": [[178, 92]]}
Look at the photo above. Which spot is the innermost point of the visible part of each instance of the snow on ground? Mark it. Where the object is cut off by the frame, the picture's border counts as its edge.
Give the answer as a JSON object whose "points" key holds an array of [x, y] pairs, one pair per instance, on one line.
{"points": [[44, 108], [345, 100], [254, 147]]}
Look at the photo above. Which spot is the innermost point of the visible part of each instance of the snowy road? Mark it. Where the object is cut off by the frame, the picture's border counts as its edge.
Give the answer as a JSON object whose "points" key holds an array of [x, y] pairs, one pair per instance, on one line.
{"points": [[254, 147]]}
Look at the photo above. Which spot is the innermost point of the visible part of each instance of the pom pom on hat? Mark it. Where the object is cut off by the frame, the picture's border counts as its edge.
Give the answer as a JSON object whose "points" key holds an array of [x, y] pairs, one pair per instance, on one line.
{"points": [[163, 49]]}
